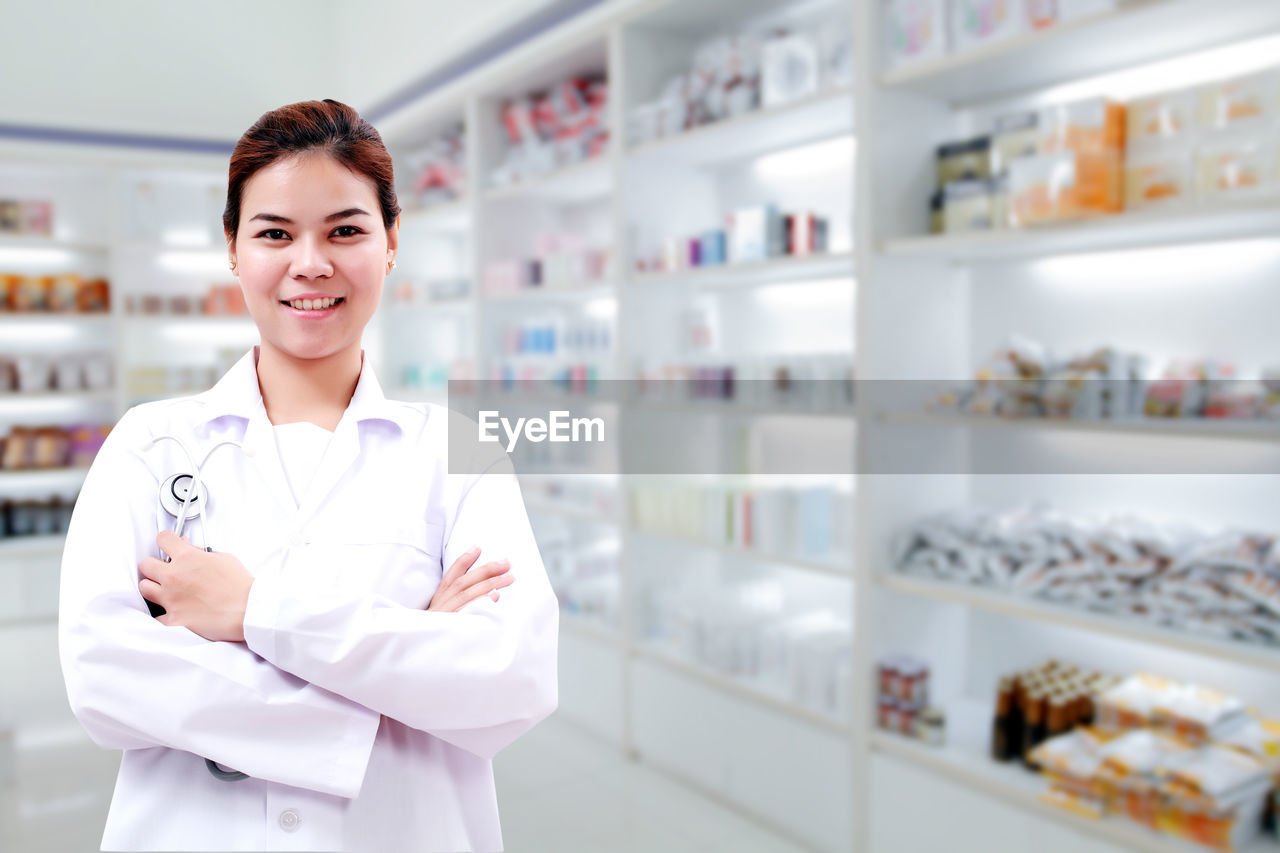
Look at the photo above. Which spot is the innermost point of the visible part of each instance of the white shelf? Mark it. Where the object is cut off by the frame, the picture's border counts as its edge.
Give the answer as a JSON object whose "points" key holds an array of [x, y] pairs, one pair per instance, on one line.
{"points": [[742, 137], [740, 688], [1257, 216], [42, 480], [586, 181], [591, 629], [8, 241], [1021, 788], [774, 271], [448, 217], [809, 565], [558, 292], [31, 319], [1193, 428], [569, 511], [1023, 607], [1136, 32], [17, 547], [33, 399], [742, 410]]}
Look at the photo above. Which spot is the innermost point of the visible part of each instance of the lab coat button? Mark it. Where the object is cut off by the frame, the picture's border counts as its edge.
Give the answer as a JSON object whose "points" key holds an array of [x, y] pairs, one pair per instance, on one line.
{"points": [[289, 820]]}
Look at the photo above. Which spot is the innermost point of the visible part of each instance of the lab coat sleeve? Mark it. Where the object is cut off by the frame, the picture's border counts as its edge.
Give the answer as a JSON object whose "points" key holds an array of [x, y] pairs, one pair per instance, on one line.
{"points": [[134, 683], [478, 678]]}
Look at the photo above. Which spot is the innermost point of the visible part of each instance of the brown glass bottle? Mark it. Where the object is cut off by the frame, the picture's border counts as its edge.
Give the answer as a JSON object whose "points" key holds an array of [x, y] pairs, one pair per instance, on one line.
{"points": [[1003, 746], [1034, 728]]}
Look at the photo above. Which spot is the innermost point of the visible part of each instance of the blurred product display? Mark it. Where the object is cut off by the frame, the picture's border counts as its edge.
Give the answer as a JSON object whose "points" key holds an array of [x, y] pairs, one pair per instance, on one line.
{"points": [[563, 261], [438, 169], [411, 293], [26, 217], [742, 629], [777, 523], [902, 700], [918, 31], [42, 373], [1191, 146], [549, 130], [750, 235], [29, 518], [46, 447], [734, 75], [1223, 584], [823, 382], [1025, 380], [583, 570], [220, 300], [67, 293]]}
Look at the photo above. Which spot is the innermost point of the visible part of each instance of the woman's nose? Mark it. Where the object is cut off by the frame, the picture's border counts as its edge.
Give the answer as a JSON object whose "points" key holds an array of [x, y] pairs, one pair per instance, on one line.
{"points": [[310, 259]]}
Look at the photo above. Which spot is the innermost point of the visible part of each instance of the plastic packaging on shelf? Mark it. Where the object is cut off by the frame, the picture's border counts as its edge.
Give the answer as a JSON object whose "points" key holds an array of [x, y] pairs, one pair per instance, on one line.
{"points": [[1125, 566], [1164, 119], [902, 699], [749, 235], [1252, 99], [978, 22], [563, 125], [1158, 177], [561, 260], [915, 31], [1234, 165], [439, 168]]}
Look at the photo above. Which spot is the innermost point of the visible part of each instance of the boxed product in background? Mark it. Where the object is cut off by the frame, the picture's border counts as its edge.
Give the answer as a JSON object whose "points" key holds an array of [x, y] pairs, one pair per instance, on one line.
{"points": [[548, 130]]}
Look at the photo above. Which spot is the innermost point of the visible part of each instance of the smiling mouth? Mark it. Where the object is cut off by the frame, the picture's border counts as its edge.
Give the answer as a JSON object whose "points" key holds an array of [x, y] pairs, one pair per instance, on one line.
{"points": [[314, 304]]}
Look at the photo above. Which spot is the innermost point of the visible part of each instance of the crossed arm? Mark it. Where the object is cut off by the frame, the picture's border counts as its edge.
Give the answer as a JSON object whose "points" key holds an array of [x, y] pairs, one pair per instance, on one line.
{"points": [[300, 700]]}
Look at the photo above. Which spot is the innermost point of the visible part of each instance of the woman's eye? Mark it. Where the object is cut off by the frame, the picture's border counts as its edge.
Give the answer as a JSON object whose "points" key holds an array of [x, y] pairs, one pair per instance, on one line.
{"points": [[272, 231], [349, 228]]}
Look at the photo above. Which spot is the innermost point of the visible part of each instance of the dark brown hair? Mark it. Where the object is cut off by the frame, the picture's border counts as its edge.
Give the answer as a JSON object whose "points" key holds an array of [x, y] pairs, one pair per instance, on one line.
{"points": [[323, 126]]}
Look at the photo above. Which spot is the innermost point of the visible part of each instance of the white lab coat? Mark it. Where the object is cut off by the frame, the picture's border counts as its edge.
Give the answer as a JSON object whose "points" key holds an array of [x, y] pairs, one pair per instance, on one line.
{"points": [[365, 722]]}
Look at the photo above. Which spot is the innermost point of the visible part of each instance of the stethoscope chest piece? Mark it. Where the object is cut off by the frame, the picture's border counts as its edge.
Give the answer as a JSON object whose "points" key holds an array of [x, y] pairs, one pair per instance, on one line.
{"points": [[174, 492]]}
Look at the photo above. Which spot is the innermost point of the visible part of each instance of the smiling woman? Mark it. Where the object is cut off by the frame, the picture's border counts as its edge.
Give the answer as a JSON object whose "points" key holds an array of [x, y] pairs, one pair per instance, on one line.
{"points": [[341, 644]]}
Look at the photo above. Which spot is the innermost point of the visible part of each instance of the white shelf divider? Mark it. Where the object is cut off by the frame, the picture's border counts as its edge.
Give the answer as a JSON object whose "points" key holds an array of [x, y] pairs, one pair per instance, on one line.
{"points": [[739, 688], [1218, 429], [1022, 607], [1133, 33], [773, 271], [811, 119], [585, 181], [830, 569], [1251, 216]]}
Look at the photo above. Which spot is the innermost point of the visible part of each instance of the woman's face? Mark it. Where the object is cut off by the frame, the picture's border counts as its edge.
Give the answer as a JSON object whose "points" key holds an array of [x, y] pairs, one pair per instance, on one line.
{"points": [[311, 254]]}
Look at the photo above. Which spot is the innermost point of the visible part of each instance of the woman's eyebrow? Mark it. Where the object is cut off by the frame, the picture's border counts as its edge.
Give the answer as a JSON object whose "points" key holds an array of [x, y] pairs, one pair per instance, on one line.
{"points": [[341, 214]]}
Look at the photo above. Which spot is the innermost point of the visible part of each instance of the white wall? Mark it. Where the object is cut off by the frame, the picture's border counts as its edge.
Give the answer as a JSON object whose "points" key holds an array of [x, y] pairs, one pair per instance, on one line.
{"points": [[207, 69]]}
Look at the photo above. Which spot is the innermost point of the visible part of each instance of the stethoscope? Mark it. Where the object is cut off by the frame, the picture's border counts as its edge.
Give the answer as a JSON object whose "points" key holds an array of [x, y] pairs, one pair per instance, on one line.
{"points": [[184, 497]]}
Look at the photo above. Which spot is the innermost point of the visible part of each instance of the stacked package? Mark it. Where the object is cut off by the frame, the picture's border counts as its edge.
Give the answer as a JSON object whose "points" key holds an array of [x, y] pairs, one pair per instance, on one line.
{"points": [[1176, 758], [1226, 584], [548, 130], [1024, 380]]}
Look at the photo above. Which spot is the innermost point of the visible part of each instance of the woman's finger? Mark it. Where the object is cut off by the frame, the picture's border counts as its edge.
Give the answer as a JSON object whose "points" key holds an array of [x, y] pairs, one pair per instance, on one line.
{"points": [[460, 600], [150, 590], [460, 565], [481, 574], [152, 568]]}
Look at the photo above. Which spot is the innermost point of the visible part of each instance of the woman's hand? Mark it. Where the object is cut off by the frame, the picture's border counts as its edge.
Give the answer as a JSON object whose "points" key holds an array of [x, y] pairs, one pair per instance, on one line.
{"points": [[202, 591], [462, 585]]}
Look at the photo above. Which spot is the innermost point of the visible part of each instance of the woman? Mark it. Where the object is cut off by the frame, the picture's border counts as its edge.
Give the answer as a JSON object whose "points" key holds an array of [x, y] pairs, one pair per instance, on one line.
{"points": [[315, 680]]}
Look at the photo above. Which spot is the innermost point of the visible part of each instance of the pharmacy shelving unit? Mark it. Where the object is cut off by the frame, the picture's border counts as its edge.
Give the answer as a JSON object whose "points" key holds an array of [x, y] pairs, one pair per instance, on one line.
{"points": [[146, 222], [1175, 282], [727, 736]]}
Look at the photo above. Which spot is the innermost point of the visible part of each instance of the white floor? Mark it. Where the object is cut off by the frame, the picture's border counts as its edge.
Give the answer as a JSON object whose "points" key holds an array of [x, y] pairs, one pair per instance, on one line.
{"points": [[559, 790]]}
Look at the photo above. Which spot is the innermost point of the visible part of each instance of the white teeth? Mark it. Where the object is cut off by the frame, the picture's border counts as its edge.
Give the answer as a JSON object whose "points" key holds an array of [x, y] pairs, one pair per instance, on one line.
{"points": [[314, 304]]}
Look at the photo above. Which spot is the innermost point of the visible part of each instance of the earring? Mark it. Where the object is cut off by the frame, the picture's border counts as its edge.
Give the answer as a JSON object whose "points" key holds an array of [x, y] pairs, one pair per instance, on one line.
{"points": [[391, 266], [233, 266]]}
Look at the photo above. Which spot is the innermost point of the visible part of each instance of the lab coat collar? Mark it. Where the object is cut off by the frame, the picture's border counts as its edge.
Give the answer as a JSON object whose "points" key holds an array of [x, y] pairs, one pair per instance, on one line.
{"points": [[238, 394]]}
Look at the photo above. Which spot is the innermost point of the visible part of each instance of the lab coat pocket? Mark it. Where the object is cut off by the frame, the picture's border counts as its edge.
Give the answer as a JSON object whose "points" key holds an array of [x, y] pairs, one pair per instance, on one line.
{"points": [[395, 558]]}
